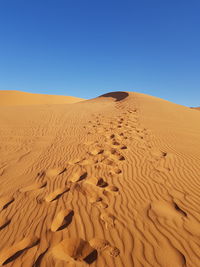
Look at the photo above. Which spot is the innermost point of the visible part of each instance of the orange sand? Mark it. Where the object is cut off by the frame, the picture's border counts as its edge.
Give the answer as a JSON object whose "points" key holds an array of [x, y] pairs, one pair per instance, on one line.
{"points": [[112, 181], [17, 98]]}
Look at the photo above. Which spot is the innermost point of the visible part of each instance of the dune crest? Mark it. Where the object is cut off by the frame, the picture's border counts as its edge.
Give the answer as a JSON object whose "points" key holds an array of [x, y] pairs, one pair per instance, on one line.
{"points": [[111, 181], [18, 98]]}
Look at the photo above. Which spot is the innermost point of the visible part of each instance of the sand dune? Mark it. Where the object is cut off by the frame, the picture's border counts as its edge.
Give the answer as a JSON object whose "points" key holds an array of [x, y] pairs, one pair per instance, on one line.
{"points": [[18, 98], [111, 181], [198, 108]]}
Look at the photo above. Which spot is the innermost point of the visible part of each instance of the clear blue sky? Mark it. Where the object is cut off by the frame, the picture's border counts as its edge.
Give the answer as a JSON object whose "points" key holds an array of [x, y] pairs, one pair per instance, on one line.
{"points": [[89, 47]]}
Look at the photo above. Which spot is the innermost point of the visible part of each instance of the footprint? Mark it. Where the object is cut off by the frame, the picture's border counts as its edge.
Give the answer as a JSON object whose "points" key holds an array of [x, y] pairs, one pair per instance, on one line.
{"points": [[115, 143], [4, 222], [54, 172], [92, 193], [32, 187], [108, 219], [62, 220], [115, 171], [112, 251], [88, 191], [102, 245], [101, 182], [112, 188], [94, 198], [157, 154], [109, 162], [121, 158], [100, 205], [55, 195], [11, 253], [113, 151], [112, 136], [97, 181], [5, 202], [75, 249], [116, 155], [96, 151], [78, 175]]}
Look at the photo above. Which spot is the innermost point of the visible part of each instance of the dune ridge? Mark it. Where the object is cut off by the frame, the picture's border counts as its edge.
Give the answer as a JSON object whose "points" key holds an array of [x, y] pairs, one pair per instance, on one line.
{"points": [[18, 98], [111, 181]]}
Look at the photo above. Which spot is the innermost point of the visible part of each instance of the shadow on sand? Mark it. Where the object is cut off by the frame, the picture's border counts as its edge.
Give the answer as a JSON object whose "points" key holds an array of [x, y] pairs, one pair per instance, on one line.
{"points": [[119, 95]]}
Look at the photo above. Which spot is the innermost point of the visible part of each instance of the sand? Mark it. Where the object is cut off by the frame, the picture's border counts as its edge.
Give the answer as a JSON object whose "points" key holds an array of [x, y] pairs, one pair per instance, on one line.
{"points": [[17, 98], [111, 181]]}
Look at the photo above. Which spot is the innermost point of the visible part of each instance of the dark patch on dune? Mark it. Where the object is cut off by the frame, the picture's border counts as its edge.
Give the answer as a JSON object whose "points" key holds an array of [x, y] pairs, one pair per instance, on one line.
{"points": [[117, 95], [197, 108]]}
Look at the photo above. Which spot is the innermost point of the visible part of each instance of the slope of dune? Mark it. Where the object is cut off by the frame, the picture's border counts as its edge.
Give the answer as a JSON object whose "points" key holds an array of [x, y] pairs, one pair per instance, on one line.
{"points": [[198, 108], [111, 181], [18, 98]]}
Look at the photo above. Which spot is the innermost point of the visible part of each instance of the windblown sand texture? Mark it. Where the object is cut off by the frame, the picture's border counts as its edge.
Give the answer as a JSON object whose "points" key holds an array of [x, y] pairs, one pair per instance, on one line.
{"points": [[112, 181]]}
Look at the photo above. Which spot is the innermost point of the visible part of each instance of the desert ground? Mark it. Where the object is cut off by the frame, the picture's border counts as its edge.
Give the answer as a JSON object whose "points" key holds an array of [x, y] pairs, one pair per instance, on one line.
{"points": [[112, 181]]}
